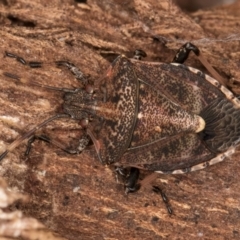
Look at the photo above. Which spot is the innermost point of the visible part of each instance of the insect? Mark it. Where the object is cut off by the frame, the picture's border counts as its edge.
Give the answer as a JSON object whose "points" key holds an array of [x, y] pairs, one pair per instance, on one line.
{"points": [[166, 118]]}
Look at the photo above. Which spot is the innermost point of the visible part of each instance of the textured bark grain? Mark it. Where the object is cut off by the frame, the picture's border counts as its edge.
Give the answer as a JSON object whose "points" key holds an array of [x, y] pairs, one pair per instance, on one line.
{"points": [[74, 195]]}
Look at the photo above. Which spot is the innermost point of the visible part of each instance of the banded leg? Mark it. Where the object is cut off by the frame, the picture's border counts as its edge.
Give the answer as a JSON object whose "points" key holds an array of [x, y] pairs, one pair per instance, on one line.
{"points": [[147, 181], [24, 80], [164, 198], [74, 70], [130, 178], [132, 184], [70, 66], [183, 54], [83, 142], [30, 133]]}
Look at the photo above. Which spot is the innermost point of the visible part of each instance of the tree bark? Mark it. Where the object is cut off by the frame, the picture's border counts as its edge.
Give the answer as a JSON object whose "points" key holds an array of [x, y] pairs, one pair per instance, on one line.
{"points": [[74, 195]]}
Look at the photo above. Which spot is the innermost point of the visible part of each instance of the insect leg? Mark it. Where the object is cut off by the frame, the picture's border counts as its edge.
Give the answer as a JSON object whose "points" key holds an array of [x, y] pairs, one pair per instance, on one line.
{"points": [[150, 178], [130, 177], [24, 80], [131, 183], [164, 198], [30, 133], [23, 61], [34, 64], [183, 54], [74, 70], [83, 142], [139, 54]]}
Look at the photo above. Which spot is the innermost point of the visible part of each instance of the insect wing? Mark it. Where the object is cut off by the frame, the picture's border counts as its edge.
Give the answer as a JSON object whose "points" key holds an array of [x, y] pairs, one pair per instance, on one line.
{"points": [[118, 110], [187, 89], [180, 151], [185, 150]]}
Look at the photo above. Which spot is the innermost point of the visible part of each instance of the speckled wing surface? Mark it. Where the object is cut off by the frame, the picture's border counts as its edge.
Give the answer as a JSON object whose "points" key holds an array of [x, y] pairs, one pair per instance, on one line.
{"points": [[118, 111], [185, 88], [186, 94]]}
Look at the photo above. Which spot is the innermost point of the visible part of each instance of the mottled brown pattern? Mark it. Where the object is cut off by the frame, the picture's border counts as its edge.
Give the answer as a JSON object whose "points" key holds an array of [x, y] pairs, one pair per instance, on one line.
{"points": [[164, 139], [177, 152], [118, 111], [180, 85], [159, 117]]}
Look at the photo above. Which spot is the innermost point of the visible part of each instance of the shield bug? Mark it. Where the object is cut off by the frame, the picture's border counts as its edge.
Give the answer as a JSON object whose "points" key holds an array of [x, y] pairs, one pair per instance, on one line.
{"points": [[166, 118]]}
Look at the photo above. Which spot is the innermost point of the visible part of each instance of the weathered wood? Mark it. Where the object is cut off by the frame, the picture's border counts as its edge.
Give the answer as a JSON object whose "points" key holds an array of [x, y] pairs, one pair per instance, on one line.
{"points": [[75, 195]]}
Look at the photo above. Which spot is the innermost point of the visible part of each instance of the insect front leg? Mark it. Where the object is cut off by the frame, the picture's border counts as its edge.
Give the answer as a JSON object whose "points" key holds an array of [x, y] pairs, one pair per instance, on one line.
{"points": [[83, 142], [30, 133], [74, 70], [183, 54], [31, 64]]}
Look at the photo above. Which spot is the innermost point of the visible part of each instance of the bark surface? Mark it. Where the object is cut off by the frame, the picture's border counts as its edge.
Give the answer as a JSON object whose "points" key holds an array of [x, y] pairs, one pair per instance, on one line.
{"points": [[74, 195]]}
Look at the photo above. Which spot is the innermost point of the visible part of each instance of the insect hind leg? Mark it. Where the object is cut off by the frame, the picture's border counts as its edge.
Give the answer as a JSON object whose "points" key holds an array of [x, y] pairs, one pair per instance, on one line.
{"points": [[130, 178], [183, 53], [147, 181], [164, 198], [131, 182]]}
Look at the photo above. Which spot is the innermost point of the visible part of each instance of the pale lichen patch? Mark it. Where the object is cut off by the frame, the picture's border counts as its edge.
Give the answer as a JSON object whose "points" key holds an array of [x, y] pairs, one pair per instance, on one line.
{"points": [[43, 103], [157, 129]]}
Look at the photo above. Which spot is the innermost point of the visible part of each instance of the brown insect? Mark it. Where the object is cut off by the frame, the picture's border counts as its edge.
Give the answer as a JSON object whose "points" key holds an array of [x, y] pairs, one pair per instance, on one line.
{"points": [[167, 118]]}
